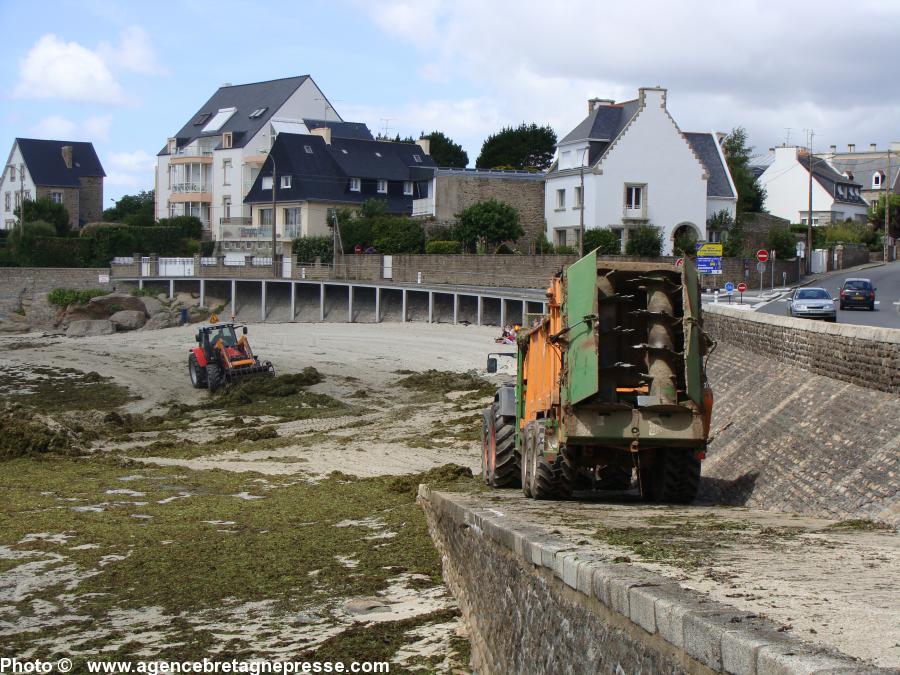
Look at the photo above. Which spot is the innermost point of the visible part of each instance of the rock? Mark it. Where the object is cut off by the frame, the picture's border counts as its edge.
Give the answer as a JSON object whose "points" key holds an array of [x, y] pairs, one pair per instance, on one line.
{"points": [[162, 297], [163, 319], [116, 302], [14, 323], [128, 319], [152, 306], [89, 327]]}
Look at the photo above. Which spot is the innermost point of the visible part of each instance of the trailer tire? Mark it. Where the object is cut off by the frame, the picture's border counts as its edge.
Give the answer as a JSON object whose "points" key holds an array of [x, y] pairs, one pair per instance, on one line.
{"points": [[505, 463], [674, 478], [214, 376], [544, 482], [567, 476]]}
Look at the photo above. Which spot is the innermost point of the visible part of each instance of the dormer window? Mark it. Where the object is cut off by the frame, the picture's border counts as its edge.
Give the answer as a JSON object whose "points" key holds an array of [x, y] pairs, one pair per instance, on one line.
{"points": [[259, 112], [382, 186], [266, 183], [355, 185], [285, 182], [417, 158], [226, 140], [408, 188], [308, 149], [877, 180]]}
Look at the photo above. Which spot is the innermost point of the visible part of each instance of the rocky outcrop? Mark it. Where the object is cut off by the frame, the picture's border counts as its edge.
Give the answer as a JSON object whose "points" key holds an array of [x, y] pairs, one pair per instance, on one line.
{"points": [[164, 319], [128, 319], [152, 306], [90, 327]]}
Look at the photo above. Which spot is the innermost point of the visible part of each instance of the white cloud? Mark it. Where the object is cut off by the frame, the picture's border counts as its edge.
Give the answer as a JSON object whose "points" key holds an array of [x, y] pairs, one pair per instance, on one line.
{"points": [[130, 170], [93, 129], [133, 52], [66, 70], [97, 128], [132, 161]]}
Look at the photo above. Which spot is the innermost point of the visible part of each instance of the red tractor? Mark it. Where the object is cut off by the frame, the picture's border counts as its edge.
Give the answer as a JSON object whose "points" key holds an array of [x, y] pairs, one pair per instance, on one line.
{"points": [[221, 357]]}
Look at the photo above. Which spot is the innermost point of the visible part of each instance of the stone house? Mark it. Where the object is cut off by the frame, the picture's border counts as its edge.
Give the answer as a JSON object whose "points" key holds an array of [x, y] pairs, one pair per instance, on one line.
{"points": [[67, 172]]}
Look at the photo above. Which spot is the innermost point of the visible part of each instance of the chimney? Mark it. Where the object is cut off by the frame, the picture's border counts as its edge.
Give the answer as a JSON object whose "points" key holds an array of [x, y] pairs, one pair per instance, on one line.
{"points": [[425, 144], [872, 147], [833, 148], [324, 132], [851, 147], [67, 155], [594, 103]]}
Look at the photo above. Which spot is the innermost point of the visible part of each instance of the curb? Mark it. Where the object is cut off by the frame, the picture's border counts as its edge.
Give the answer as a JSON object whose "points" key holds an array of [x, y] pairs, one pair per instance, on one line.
{"points": [[719, 636]]}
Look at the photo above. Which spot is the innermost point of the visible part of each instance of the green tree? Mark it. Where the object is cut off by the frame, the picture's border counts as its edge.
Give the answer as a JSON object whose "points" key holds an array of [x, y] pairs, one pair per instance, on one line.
{"points": [[876, 214], [527, 146], [445, 152], [398, 234], [491, 222], [307, 249], [685, 244], [47, 211], [21, 241], [644, 241], [542, 245], [783, 242], [604, 240], [139, 205], [751, 195]]}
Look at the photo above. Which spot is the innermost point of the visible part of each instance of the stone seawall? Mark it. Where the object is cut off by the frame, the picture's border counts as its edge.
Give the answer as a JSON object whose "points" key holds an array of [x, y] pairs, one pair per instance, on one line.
{"points": [[24, 289]]}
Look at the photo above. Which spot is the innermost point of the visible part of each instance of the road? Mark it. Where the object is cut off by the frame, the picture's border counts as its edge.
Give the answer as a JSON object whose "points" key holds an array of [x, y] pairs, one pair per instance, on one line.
{"points": [[886, 280]]}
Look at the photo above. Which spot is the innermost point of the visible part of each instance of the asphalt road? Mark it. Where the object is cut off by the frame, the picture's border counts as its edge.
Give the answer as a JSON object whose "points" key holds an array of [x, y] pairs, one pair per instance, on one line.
{"points": [[886, 280]]}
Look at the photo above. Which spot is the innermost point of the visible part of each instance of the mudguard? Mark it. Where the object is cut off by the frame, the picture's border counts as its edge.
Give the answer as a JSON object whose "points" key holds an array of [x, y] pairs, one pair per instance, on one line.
{"points": [[506, 400], [200, 356]]}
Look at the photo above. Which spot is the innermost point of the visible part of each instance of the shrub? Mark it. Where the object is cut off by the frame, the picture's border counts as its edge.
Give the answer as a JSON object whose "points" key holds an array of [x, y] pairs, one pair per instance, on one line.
{"points": [[207, 248], [782, 242], [440, 233], [565, 250], [644, 241], [60, 252], [605, 240], [686, 245], [398, 235], [63, 297], [491, 221], [443, 247], [188, 226], [307, 249], [542, 245]]}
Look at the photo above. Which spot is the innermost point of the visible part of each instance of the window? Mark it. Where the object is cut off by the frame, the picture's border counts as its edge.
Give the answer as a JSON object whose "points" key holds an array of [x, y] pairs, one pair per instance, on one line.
{"points": [[267, 183], [7, 201], [308, 149], [27, 195], [378, 154], [805, 220], [285, 182], [417, 158], [226, 207], [561, 237], [382, 186], [265, 217], [579, 200], [12, 174], [201, 119], [56, 197], [219, 120], [633, 197], [292, 216], [18, 200], [876, 180], [330, 217], [408, 188], [258, 112], [226, 172], [355, 185], [565, 160], [560, 199], [226, 140]]}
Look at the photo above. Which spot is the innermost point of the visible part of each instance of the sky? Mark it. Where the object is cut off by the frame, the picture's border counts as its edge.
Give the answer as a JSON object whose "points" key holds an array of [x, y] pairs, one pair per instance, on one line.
{"points": [[127, 75]]}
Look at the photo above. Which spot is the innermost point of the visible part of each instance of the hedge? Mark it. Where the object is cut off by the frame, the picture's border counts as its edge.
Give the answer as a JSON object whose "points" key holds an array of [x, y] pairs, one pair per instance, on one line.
{"points": [[307, 249], [443, 247], [63, 297], [61, 252]]}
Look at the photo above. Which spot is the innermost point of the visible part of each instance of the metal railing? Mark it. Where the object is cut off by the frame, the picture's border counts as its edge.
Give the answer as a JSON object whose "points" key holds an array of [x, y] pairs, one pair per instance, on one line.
{"points": [[193, 152], [236, 220], [192, 186], [423, 207]]}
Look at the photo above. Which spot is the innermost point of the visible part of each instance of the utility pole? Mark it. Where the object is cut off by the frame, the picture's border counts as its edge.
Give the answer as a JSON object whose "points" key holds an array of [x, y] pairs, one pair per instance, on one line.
{"points": [[887, 209], [809, 215]]}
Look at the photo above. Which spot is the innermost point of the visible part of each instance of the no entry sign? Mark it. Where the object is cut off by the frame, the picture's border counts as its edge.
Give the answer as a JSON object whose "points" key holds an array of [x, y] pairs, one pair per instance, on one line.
{"points": [[762, 255], [742, 287]]}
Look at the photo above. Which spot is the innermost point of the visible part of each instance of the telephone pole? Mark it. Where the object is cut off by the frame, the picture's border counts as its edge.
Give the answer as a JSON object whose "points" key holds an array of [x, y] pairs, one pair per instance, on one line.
{"points": [[809, 215], [887, 209]]}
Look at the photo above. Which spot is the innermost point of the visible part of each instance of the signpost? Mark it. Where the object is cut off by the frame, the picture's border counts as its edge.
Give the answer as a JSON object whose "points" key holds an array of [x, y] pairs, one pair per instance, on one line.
{"points": [[762, 255], [729, 289], [741, 288], [709, 258], [760, 268]]}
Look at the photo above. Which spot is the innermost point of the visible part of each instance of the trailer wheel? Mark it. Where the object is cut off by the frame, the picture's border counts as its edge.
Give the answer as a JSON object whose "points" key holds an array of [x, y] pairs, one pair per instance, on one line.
{"points": [[198, 375], [566, 471], [504, 464], [214, 376], [674, 477], [544, 484]]}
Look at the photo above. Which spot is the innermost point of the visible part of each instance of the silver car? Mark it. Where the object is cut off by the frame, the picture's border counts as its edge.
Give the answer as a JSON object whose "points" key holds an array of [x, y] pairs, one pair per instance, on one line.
{"points": [[812, 303]]}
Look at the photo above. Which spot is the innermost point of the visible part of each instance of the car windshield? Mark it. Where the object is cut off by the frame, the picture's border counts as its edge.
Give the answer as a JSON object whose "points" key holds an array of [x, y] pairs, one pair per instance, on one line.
{"points": [[812, 294], [857, 284]]}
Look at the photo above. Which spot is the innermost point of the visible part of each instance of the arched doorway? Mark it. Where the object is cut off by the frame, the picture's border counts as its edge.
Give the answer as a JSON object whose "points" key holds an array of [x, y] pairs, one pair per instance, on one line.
{"points": [[684, 236]]}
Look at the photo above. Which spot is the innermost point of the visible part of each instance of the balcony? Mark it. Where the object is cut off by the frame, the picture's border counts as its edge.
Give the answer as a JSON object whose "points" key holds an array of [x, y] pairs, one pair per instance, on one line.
{"points": [[240, 229], [191, 191], [423, 207], [236, 220], [192, 156]]}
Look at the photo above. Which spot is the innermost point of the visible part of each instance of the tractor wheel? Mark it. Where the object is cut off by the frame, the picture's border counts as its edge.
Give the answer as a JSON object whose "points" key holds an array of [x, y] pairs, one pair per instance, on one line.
{"points": [[215, 378], [674, 477], [544, 484], [487, 443], [567, 476], [198, 375], [504, 464]]}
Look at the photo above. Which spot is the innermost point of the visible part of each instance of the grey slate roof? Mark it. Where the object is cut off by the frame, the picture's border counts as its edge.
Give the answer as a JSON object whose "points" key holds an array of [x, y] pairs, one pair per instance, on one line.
{"points": [[47, 167], [247, 98], [603, 123], [828, 178], [357, 130], [706, 147], [323, 172], [863, 168]]}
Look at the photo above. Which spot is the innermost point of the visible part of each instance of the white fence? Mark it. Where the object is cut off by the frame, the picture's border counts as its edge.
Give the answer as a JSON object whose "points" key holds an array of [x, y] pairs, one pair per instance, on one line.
{"points": [[176, 267]]}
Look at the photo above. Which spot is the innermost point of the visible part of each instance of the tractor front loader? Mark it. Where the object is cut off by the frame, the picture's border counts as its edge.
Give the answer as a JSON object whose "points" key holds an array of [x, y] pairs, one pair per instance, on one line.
{"points": [[221, 357]]}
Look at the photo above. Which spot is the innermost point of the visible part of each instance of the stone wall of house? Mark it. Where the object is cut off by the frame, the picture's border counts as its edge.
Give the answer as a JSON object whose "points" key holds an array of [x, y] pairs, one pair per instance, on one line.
{"points": [[71, 199], [91, 195], [455, 192]]}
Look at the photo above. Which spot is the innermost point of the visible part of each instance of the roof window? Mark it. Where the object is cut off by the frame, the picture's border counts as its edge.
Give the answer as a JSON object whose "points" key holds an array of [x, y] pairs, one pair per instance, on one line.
{"points": [[308, 149], [378, 154], [201, 119], [258, 112], [417, 158], [219, 120], [344, 150]]}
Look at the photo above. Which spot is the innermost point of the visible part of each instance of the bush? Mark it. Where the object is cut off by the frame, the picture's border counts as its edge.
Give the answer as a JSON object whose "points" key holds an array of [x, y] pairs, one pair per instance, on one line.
{"points": [[60, 252], [542, 245], [491, 221], [685, 244], [440, 233], [398, 235], [307, 249], [565, 250], [604, 240], [782, 242], [47, 211], [443, 247], [644, 241], [139, 220], [63, 297], [189, 226], [207, 248]]}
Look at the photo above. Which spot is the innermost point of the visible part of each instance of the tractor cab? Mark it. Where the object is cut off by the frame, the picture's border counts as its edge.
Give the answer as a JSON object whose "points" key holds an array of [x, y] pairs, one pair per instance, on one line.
{"points": [[221, 356]]}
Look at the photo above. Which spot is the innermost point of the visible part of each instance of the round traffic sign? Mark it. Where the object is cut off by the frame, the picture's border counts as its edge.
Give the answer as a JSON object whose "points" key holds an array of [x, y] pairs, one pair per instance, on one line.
{"points": [[679, 262], [742, 287], [762, 255], [729, 287]]}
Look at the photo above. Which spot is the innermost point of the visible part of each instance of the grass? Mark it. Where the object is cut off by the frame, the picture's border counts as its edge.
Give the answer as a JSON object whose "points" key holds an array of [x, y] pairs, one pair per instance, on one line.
{"points": [[63, 297]]}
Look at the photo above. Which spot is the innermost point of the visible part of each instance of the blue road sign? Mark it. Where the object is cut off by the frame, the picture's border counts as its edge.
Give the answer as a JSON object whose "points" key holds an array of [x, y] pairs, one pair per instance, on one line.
{"points": [[709, 264], [729, 287]]}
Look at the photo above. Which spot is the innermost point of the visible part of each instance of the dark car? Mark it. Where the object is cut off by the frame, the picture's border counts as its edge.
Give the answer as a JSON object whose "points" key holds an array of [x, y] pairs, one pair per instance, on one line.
{"points": [[812, 303], [858, 293]]}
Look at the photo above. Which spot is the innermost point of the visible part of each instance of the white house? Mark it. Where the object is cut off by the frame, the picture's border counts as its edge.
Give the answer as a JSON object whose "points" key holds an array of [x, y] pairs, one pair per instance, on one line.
{"points": [[638, 168], [835, 196], [208, 167]]}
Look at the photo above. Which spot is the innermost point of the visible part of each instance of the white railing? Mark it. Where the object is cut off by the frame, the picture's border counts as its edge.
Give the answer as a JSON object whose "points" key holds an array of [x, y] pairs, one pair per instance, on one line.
{"points": [[194, 152], [261, 262], [423, 207], [208, 262], [122, 260], [176, 267], [191, 186]]}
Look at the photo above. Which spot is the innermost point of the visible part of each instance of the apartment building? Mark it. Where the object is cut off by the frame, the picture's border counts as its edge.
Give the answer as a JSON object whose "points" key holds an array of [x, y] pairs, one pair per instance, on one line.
{"points": [[209, 165]]}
